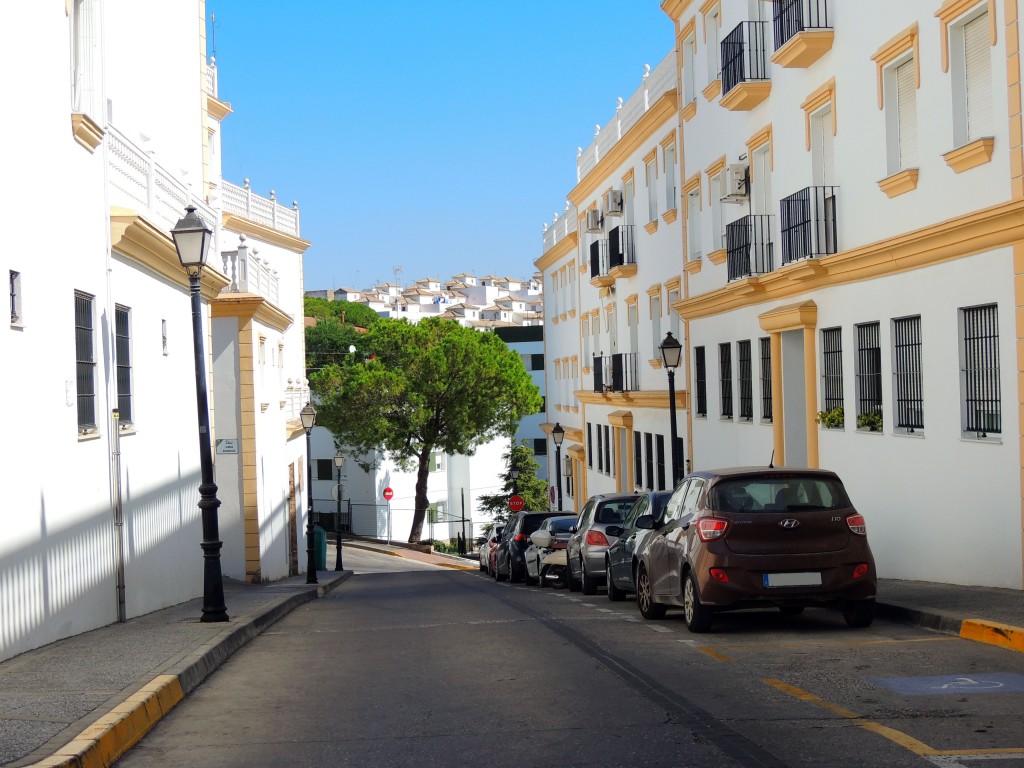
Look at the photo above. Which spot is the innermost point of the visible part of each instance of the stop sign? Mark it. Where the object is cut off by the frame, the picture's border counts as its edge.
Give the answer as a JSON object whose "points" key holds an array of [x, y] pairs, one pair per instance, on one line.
{"points": [[388, 493], [516, 503]]}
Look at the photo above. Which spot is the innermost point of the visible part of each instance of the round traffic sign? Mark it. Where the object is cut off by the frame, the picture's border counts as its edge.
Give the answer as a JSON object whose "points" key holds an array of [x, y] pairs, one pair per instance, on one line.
{"points": [[388, 493], [551, 493], [516, 503]]}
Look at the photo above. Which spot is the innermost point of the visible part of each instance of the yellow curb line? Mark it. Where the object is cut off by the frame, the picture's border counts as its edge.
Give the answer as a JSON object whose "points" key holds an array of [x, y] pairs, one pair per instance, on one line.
{"points": [[103, 742], [993, 633]]}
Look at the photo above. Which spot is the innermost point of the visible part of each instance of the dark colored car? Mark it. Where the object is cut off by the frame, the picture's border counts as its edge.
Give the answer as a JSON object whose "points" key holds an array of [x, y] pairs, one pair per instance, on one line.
{"points": [[754, 537], [509, 562], [623, 556], [585, 552]]}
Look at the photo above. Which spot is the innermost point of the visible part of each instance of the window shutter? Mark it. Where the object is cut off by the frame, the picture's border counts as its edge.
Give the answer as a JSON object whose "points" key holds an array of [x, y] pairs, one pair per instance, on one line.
{"points": [[978, 78], [828, 164], [906, 105]]}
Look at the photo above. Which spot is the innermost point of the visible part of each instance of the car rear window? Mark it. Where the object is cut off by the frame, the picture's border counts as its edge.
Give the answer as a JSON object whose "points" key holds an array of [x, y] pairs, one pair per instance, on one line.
{"points": [[532, 522], [778, 494], [613, 512], [563, 525]]}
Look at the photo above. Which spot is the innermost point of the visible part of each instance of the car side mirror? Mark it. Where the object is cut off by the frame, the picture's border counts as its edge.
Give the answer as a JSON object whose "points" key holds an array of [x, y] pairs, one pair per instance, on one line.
{"points": [[613, 530], [574, 529], [645, 521]]}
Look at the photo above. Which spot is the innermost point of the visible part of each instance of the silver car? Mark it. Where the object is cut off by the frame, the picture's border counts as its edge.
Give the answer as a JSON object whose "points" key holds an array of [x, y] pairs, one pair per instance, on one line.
{"points": [[590, 540]]}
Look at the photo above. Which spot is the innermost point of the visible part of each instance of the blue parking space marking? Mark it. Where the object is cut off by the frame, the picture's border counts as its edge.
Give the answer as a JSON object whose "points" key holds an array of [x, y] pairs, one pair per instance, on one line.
{"points": [[974, 682]]}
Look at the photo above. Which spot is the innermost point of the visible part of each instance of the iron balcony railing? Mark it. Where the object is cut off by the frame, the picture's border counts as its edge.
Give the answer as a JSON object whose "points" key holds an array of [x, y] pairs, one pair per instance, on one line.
{"points": [[616, 373], [744, 55], [808, 223], [795, 16], [749, 246], [620, 246], [598, 259]]}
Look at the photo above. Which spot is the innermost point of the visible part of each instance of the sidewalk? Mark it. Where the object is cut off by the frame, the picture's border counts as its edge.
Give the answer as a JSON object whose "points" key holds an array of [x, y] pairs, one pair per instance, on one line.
{"points": [[84, 701]]}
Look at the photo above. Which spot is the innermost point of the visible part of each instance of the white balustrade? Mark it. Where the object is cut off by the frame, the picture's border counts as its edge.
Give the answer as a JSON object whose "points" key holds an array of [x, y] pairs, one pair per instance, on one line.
{"points": [[248, 273], [560, 228], [267, 211]]}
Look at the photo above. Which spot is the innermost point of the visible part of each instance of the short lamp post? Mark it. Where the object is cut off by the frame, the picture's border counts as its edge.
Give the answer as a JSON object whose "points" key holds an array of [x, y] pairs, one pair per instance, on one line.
{"points": [[557, 436], [308, 417], [192, 242], [339, 462], [514, 474], [671, 351]]}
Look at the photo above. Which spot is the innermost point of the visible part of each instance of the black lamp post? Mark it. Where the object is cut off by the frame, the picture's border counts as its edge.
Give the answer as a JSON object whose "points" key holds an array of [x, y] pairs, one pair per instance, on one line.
{"points": [[192, 242], [339, 462], [671, 351], [308, 416], [514, 474], [557, 436]]}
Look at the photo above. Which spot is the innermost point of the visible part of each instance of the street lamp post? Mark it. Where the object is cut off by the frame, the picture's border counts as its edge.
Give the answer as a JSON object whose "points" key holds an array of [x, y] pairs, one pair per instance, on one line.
{"points": [[308, 417], [558, 435], [192, 242], [671, 351], [514, 474], [339, 462]]}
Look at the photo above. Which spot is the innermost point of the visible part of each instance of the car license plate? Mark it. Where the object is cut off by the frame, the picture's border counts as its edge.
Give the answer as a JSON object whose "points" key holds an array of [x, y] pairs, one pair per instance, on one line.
{"points": [[809, 579], [558, 545]]}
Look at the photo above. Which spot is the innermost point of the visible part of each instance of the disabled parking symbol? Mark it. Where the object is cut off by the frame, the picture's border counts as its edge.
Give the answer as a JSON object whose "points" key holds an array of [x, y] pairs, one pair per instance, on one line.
{"points": [[974, 683]]}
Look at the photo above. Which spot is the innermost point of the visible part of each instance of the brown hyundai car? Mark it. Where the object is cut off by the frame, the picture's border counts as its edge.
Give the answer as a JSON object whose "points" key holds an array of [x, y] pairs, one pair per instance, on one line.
{"points": [[755, 537]]}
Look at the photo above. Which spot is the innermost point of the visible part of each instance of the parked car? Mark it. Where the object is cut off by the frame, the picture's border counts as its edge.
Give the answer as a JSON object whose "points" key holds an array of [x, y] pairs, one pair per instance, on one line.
{"points": [[754, 537], [509, 562], [590, 540], [623, 556], [487, 546], [559, 530]]}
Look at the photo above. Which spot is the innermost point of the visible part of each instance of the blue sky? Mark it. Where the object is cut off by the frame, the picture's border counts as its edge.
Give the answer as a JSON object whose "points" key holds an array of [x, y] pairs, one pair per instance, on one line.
{"points": [[433, 136]]}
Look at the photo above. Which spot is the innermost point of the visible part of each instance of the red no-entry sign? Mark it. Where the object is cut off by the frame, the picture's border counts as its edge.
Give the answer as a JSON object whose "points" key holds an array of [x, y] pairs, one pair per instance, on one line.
{"points": [[516, 503], [388, 493]]}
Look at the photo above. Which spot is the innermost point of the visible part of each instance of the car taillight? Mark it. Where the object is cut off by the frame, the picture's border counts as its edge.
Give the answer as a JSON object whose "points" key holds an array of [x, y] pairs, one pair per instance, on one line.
{"points": [[521, 537], [719, 575], [857, 524], [860, 570], [710, 528], [597, 539]]}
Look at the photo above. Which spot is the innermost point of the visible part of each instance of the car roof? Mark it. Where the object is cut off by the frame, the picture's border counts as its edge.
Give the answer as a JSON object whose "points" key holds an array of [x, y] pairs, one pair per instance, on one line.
{"points": [[763, 472]]}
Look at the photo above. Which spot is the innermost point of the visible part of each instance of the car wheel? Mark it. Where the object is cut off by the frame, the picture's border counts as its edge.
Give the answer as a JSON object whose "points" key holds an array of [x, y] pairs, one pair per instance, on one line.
{"points": [[645, 597], [859, 613], [697, 615], [574, 586], [588, 582], [791, 610], [614, 593]]}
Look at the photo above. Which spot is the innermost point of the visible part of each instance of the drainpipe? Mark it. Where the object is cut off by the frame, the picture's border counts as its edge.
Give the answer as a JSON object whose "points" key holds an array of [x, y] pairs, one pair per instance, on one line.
{"points": [[118, 518]]}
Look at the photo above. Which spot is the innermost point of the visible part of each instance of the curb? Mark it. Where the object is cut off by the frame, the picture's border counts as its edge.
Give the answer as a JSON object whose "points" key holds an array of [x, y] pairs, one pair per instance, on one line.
{"points": [[979, 630], [110, 736]]}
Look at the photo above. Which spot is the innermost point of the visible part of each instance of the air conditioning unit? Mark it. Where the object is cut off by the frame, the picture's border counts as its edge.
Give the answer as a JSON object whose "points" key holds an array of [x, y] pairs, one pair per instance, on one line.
{"points": [[594, 221], [613, 203], [735, 183]]}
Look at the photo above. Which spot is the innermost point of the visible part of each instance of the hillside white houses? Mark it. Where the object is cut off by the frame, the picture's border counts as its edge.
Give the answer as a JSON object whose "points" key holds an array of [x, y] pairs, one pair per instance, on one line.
{"points": [[822, 201]]}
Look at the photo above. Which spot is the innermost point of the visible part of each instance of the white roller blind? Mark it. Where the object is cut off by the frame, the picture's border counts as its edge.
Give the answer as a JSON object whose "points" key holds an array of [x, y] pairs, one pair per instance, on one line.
{"points": [[978, 78], [906, 106], [827, 162]]}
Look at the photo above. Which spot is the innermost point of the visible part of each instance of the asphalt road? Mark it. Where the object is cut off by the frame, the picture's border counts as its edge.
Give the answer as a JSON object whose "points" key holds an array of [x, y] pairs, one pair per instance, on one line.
{"points": [[413, 665]]}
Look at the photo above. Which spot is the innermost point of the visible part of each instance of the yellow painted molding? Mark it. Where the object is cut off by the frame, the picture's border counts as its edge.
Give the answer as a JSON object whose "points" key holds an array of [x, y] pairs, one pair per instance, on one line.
{"points": [[759, 139], [951, 10], [242, 226], [970, 155], [994, 227], [896, 46], [803, 314], [674, 8], [651, 226], [713, 89], [670, 215], [688, 30], [622, 270], [572, 313], [647, 399], [216, 108], [650, 158], [663, 109], [673, 283], [654, 290], [623, 419], [819, 97], [714, 168], [655, 363], [86, 131], [689, 111], [804, 48], [602, 281], [693, 266], [293, 429], [706, 9], [250, 306], [898, 183], [632, 300], [745, 96]]}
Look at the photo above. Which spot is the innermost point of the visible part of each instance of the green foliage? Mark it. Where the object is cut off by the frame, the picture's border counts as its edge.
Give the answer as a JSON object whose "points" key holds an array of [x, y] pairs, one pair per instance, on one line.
{"points": [[532, 488], [328, 342], [870, 421], [416, 388], [345, 311], [833, 419], [447, 547]]}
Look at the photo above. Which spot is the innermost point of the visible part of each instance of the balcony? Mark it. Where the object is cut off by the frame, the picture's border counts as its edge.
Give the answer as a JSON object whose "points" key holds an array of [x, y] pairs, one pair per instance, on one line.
{"points": [[808, 222], [560, 228], [249, 273], [616, 373], [803, 32], [262, 210], [621, 251], [749, 247], [599, 266], [745, 82]]}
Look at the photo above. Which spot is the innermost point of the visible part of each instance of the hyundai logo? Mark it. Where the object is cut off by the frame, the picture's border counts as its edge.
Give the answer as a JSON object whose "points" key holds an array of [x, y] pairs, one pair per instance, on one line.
{"points": [[789, 522]]}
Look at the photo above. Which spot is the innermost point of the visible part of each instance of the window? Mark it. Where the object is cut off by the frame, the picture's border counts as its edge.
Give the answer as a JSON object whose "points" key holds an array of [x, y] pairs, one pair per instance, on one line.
{"points": [[906, 373], [600, 449], [903, 146], [693, 245], [609, 452], [673, 317], [263, 350], [651, 166], [746, 380], [638, 460], [659, 441], [712, 29], [832, 375], [634, 328], [669, 155], [649, 459], [766, 378], [972, 79], [437, 461], [540, 446], [123, 353], [324, 469], [585, 333], [628, 191], [656, 336], [533, 362], [85, 362], [15, 298], [822, 151], [163, 336], [717, 227], [979, 370], [590, 446], [869, 378], [725, 378], [689, 76], [700, 380], [84, 57]]}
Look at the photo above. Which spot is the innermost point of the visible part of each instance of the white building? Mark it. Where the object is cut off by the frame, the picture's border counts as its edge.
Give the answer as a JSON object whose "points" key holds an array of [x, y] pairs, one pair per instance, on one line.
{"points": [[101, 321], [848, 248]]}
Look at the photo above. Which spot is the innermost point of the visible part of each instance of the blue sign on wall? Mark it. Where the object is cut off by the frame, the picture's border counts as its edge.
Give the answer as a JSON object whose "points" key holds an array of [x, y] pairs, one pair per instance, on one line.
{"points": [[974, 682]]}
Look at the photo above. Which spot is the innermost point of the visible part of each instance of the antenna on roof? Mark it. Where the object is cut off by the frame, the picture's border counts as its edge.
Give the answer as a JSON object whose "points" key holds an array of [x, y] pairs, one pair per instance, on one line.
{"points": [[213, 34], [771, 461]]}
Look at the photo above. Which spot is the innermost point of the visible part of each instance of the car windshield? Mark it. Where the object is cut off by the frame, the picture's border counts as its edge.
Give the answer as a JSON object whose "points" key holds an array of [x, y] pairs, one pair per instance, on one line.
{"points": [[561, 524], [778, 493], [613, 512], [531, 524]]}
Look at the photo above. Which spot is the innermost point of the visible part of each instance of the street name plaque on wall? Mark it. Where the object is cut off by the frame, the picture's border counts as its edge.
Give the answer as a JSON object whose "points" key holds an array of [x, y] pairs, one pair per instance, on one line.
{"points": [[227, 445]]}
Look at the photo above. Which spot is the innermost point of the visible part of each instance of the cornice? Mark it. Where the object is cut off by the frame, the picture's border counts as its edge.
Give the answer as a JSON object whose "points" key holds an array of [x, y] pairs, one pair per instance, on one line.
{"points": [[249, 306], [654, 399], [674, 8], [216, 108], [86, 131], [243, 226], [560, 249]]}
